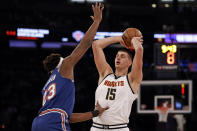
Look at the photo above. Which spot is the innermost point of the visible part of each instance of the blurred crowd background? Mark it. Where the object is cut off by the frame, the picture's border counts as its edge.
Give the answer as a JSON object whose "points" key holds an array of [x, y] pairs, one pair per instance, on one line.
{"points": [[21, 69]]}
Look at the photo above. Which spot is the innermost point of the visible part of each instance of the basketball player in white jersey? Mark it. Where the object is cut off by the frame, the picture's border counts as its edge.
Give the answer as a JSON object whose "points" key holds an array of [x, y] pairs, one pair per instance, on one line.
{"points": [[117, 90]]}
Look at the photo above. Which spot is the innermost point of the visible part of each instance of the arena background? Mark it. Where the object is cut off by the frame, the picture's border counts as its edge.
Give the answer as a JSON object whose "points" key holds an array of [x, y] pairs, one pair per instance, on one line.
{"points": [[22, 74]]}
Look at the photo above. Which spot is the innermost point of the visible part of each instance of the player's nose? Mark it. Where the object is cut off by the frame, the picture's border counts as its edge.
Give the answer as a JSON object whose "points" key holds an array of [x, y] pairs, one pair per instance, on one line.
{"points": [[118, 58]]}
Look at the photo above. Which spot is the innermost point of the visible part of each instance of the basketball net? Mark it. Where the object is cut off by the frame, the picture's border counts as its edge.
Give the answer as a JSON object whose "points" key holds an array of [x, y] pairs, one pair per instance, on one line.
{"points": [[163, 112]]}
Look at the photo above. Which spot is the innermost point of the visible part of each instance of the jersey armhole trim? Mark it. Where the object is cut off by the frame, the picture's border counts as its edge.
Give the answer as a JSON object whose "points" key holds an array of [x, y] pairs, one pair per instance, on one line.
{"points": [[130, 85], [63, 77], [104, 78]]}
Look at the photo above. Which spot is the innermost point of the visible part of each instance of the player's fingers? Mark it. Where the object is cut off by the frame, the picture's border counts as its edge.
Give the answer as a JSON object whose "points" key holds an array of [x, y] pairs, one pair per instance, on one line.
{"points": [[122, 43], [99, 6], [96, 5], [93, 8], [141, 40], [122, 40], [106, 108], [92, 17], [102, 8], [133, 39], [137, 38]]}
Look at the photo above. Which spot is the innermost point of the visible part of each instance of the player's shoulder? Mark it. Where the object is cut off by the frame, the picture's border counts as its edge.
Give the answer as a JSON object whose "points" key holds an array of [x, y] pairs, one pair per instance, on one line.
{"points": [[109, 75], [58, 75], [101, 79]]}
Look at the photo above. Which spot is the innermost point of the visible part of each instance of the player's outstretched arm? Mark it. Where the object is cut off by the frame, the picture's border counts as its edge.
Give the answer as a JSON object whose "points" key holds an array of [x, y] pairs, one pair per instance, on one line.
{"points": [[70, 61], [135, 76], [99, 57], [80, 117]]}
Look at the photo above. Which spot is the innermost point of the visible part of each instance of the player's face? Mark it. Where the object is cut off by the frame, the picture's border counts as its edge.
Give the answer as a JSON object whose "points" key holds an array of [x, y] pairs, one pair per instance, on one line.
{"points": [[122, 60]]}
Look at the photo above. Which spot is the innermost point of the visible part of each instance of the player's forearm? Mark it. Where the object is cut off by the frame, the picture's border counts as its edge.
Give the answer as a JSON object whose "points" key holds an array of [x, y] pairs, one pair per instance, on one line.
{"points": [[79, 117], [138, 64], [90, 34], [85, 43], [138, 58], [139, 49], [102, 43], [137, 43]]}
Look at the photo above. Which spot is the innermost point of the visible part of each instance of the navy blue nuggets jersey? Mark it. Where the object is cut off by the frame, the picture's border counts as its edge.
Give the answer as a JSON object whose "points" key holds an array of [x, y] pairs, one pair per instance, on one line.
{"points": [[58, 102]]}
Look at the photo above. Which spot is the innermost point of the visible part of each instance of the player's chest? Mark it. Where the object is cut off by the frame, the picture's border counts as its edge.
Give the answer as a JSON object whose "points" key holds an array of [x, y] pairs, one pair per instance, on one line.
{"points": [[111, 89]]}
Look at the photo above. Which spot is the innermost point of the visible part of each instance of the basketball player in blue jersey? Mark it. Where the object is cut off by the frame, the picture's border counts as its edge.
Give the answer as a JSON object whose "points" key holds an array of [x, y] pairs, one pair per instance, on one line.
{"points": [[118, 89], [59, 91]]}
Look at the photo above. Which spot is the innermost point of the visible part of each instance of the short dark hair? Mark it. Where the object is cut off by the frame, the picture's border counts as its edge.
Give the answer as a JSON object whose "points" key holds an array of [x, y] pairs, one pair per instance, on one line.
{"points": [[127, 51], [51, 61]]}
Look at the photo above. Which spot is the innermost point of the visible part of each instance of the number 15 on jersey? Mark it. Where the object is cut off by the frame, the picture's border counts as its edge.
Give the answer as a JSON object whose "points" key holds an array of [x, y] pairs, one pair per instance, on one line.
{"points": [[111, 94]]}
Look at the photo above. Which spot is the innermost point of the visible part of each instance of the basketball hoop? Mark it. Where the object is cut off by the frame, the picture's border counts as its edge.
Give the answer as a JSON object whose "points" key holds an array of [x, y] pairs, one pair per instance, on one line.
{"points": [[163, 105], [162, 113]]}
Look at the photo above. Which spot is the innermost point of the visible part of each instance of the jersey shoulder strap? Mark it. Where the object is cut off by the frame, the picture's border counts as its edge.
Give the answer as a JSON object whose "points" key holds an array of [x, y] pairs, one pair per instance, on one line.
{"points": [[105, 78], [129, 84]]}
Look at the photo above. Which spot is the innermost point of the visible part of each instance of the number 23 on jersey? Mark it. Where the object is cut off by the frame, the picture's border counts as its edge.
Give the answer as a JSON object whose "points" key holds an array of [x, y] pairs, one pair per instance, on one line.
{"points": [[49, 93]]}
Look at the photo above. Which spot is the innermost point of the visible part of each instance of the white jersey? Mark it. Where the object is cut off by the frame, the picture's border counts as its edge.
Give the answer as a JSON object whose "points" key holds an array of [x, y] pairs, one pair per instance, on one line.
{"points": [[117, 94]]}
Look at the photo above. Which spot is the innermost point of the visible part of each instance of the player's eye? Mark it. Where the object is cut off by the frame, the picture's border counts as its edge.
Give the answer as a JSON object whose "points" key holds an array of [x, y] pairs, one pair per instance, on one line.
{"points": [[122, 56]]}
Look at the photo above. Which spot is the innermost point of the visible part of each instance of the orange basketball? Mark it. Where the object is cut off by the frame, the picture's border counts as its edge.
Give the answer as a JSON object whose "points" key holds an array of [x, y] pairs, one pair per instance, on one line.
{"points": [[128, 34]]}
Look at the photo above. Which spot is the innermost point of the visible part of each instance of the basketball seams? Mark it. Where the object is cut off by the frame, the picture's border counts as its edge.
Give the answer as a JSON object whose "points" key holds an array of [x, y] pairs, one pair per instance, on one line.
{"points": [[128, 37], [128, 34]]}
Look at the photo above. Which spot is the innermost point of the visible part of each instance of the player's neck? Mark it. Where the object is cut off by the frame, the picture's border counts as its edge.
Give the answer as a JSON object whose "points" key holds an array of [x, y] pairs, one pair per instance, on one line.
{"points": [[121, 72]]}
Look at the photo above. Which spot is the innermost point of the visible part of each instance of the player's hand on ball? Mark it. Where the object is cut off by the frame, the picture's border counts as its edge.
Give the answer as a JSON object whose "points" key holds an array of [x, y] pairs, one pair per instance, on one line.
{"points": [[97, 9], [122, 42], [128, 35], [137, 42], [99, 108]]}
